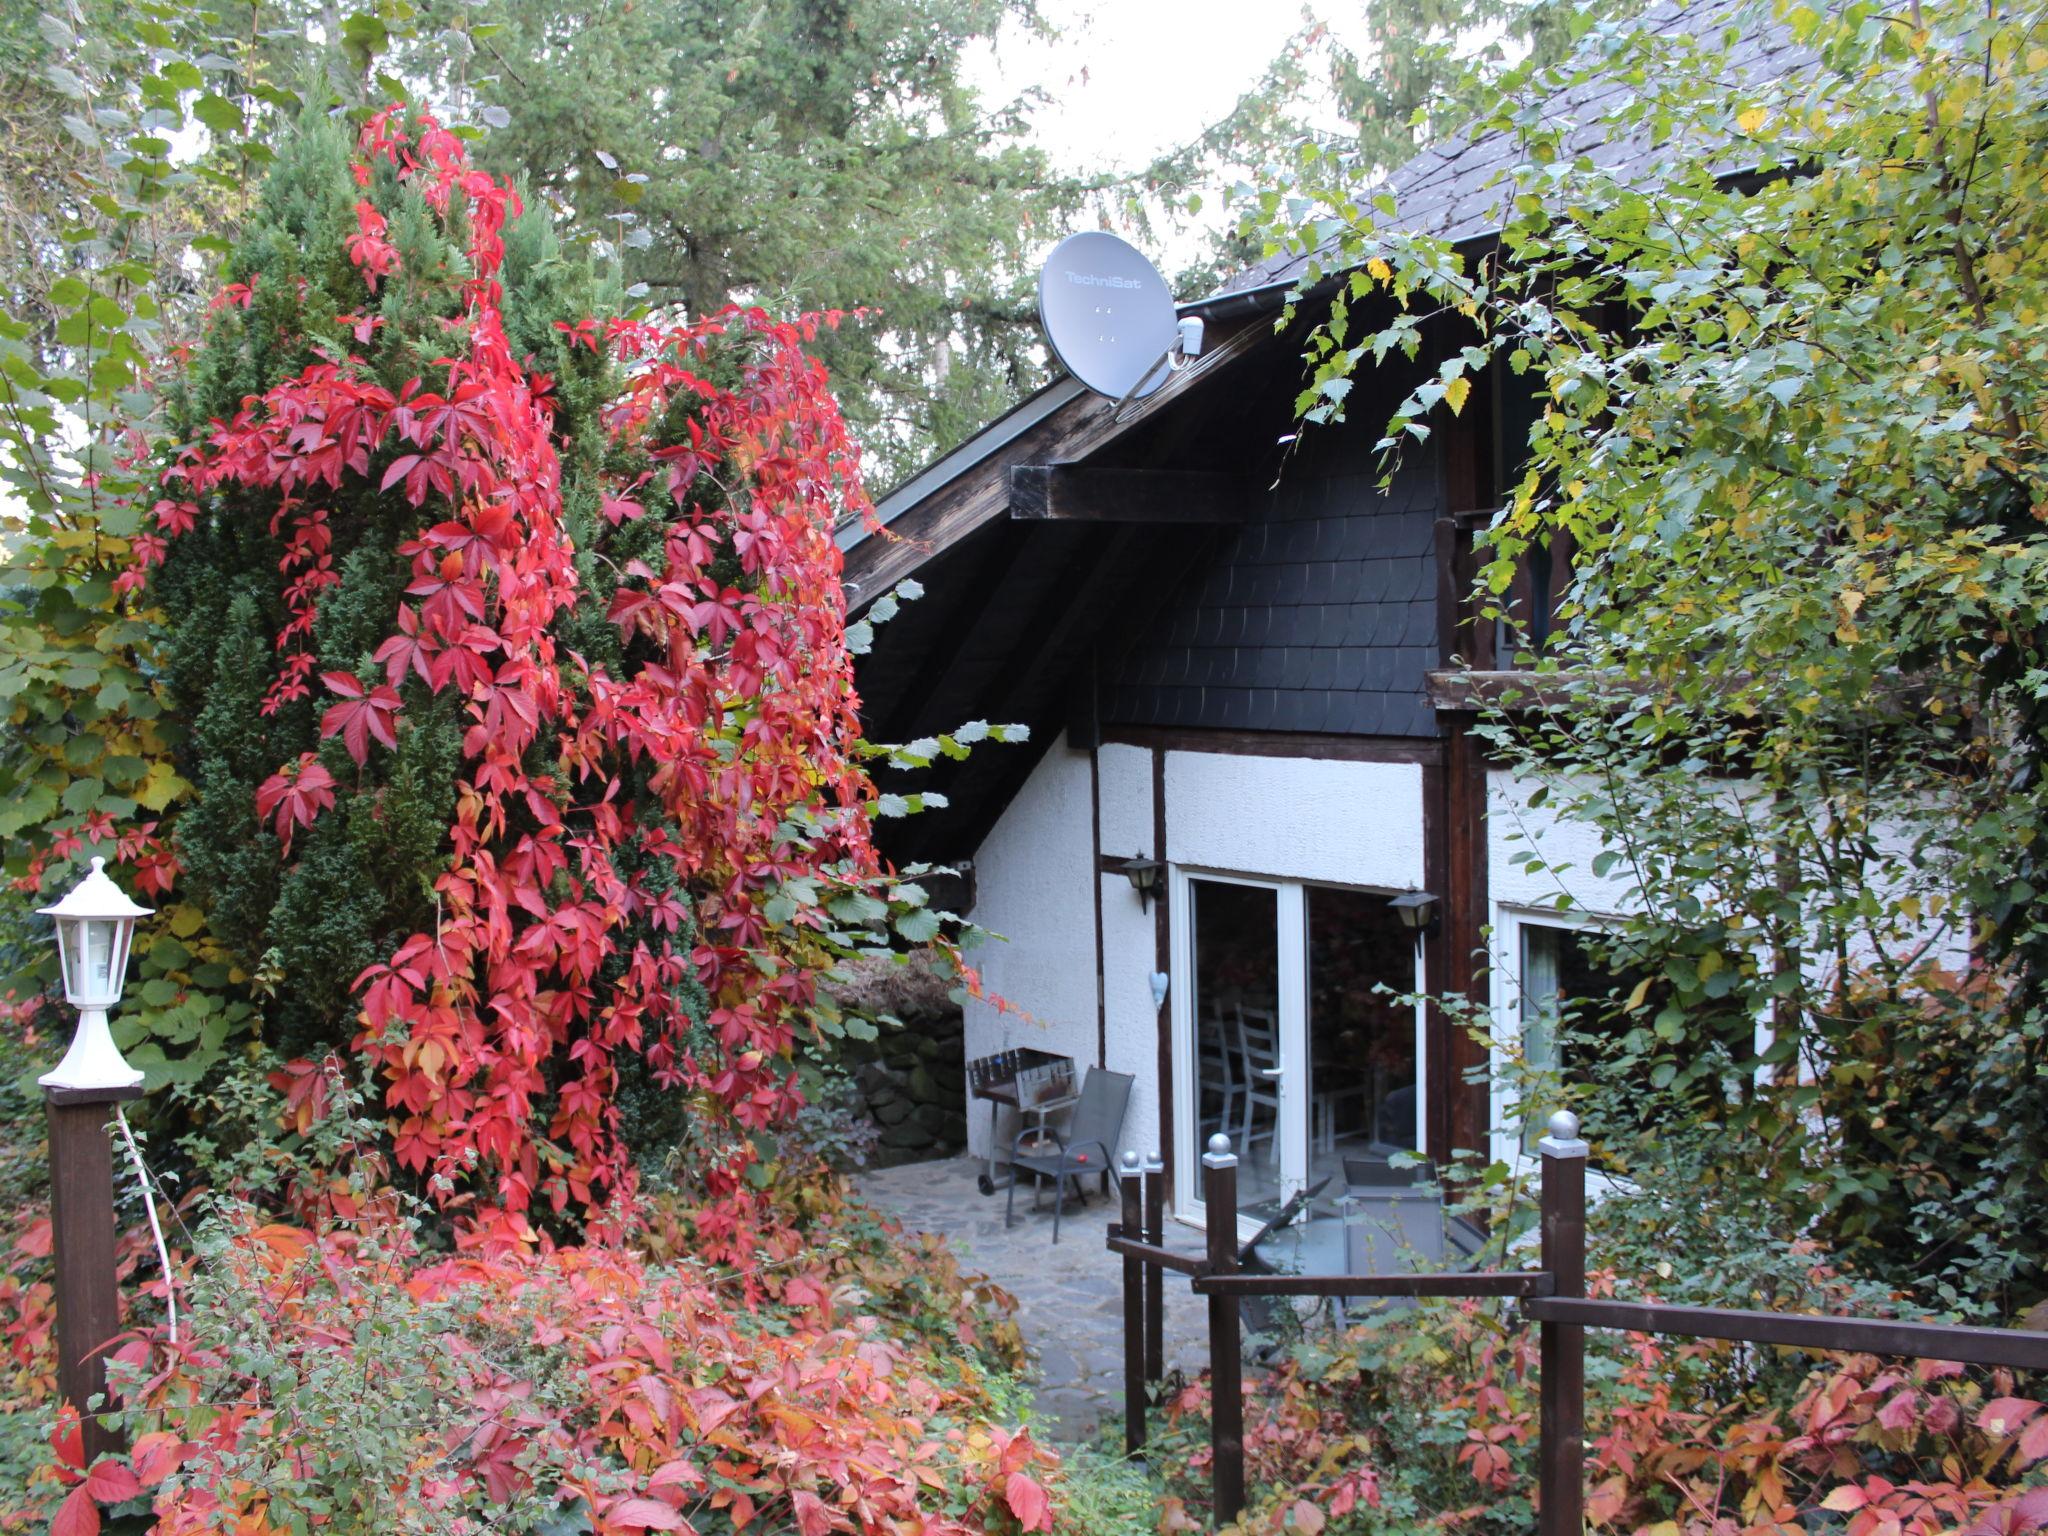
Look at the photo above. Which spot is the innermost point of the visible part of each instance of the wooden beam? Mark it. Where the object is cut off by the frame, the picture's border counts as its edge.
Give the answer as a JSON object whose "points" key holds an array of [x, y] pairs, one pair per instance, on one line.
{"points": [[1457, 689], [1084, 493], [981, 492], [2018, 1349], [1327, 746]]}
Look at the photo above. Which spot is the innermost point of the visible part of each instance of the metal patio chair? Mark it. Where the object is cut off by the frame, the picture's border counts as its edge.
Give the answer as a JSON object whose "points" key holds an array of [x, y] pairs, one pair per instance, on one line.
{"points": [[1084, 1147]]}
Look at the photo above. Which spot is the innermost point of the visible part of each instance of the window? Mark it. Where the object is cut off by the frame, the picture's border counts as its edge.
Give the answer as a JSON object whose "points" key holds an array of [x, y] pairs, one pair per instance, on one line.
{"points": [[1568, 1006]]}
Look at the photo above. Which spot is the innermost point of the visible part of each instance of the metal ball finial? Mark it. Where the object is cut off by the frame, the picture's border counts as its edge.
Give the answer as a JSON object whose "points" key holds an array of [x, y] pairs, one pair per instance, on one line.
{"points": [[1564, 1125], [1219, 1145], [1132, 1161]]}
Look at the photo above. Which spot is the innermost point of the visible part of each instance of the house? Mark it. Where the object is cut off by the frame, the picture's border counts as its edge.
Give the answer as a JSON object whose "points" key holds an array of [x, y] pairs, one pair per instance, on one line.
{"points": [[1251, 677]]}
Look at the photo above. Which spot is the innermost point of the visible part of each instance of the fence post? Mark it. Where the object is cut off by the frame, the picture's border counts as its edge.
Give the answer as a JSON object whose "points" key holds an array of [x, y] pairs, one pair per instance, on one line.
{"points": [[1155, 1277], [1561, 1448], [1130, 1184], [82, 1232], [1226, 1361]]}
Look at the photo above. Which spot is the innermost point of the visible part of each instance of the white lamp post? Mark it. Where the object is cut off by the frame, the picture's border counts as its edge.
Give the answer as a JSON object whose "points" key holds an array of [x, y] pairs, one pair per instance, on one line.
{"points": [[95, 924]]}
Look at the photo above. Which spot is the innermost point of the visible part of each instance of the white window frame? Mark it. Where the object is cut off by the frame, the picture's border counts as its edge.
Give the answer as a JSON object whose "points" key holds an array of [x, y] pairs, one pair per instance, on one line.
{"points": [[1509, 924], [1291, 913], [1509, 921]]}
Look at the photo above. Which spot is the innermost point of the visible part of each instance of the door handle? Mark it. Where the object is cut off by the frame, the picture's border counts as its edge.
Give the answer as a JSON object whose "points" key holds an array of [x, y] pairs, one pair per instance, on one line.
{"points": [[1273, 1072]]}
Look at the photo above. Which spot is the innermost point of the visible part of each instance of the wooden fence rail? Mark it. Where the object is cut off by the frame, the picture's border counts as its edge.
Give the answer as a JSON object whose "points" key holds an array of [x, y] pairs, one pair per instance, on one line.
{"points": [[1553, 1296]]}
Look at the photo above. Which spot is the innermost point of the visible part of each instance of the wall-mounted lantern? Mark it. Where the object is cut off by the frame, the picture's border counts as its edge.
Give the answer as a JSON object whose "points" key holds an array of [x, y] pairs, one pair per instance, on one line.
{"points": [[1417, 911], [1143, 873]]}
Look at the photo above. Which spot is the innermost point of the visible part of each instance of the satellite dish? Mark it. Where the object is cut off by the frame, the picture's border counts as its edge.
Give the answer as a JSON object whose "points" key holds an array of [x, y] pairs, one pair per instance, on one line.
{"points": [[1107, 315]]}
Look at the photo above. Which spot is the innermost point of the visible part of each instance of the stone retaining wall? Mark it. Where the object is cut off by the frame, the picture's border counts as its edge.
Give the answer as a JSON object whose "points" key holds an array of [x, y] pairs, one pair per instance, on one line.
{"points": [[914, 1084], [912, 1080]]}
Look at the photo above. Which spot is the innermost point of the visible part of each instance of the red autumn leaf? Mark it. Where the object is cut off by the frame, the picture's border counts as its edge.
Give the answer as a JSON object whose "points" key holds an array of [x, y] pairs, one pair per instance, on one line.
{"points": [[2002, 1415], [1900, 1411], [1305, 1517], [676, 1474], [643, 1515], [814, 1517], [1028, 1502], [2034, 1441], [68, 1439], [78, 1515], [110, 1482], [408, 650], [156, 1456], [359, 716], [297, 793]]}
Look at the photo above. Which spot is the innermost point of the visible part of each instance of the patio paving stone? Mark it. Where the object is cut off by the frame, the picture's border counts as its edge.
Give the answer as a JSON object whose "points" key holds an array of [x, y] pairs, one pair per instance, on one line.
{"points": [[1069, 1296]]}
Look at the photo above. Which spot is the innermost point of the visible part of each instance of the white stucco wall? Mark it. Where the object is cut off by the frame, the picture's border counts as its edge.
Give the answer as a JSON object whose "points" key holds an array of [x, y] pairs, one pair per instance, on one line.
{"points": [[1035, 889], [1126, 800], [1296, 818], [1514, 829], [1129, 939]]}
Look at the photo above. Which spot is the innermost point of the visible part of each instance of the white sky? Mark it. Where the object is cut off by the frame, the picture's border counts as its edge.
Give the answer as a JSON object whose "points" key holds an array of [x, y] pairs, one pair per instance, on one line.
{"points": [[1129, 79]]}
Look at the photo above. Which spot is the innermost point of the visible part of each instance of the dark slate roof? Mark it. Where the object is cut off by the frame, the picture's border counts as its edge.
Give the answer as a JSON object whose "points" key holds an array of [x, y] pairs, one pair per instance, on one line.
{"points": [[1457, 191]]}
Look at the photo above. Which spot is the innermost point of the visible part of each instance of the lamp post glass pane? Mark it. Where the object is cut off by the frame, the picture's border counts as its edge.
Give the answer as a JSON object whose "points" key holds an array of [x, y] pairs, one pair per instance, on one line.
{"points": [[91, 950]]}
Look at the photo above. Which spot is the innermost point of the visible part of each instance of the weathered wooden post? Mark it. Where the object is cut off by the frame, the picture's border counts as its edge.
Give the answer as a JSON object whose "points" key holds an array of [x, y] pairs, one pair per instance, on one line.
{"points": [[95, 923], [1155, 1275], [1561, 1364], [1226, 1361], [1131, 1184]]}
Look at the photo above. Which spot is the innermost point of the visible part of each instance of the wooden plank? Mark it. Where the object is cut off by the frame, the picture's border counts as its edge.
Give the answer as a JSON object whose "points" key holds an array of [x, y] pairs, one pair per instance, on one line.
{"points": [[1095, 842], [1152, 1253], [1085, 493], [982, 492], [1439, 1086], [1329, 747], [1132, 1187], [1162, 963], [1465, 689], [1226, 1345], [1485, 1283], [1155, 1275], [82, 1238], [2016, 1349], [1466, 913], [1561, 1345]]}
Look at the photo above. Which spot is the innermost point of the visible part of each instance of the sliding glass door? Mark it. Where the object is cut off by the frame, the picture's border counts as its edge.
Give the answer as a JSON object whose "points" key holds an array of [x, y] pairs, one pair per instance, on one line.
{"points": [[1284, 1039], [1238, 982]]}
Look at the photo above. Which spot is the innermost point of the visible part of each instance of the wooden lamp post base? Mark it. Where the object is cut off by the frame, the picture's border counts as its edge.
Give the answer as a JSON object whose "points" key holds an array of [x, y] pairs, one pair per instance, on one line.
{"points": [[82, 1229]]}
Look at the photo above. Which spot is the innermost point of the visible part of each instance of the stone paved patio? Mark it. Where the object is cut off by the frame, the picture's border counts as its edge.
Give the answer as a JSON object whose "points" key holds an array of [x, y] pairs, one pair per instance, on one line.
{"points": [[1069, 1297]]}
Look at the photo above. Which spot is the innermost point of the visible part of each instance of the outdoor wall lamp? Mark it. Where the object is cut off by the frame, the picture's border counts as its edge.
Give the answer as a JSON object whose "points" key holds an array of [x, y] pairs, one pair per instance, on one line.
{"points": [[1417, 911], [95, 925], [1143, 873]]}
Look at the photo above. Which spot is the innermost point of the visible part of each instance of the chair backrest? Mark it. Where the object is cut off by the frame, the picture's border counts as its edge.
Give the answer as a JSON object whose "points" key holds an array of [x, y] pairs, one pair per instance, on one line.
{"points": [[1395, 1122], [1384, 1173], [1258, 1034], [1100, 1114], [1390, 1231]]}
